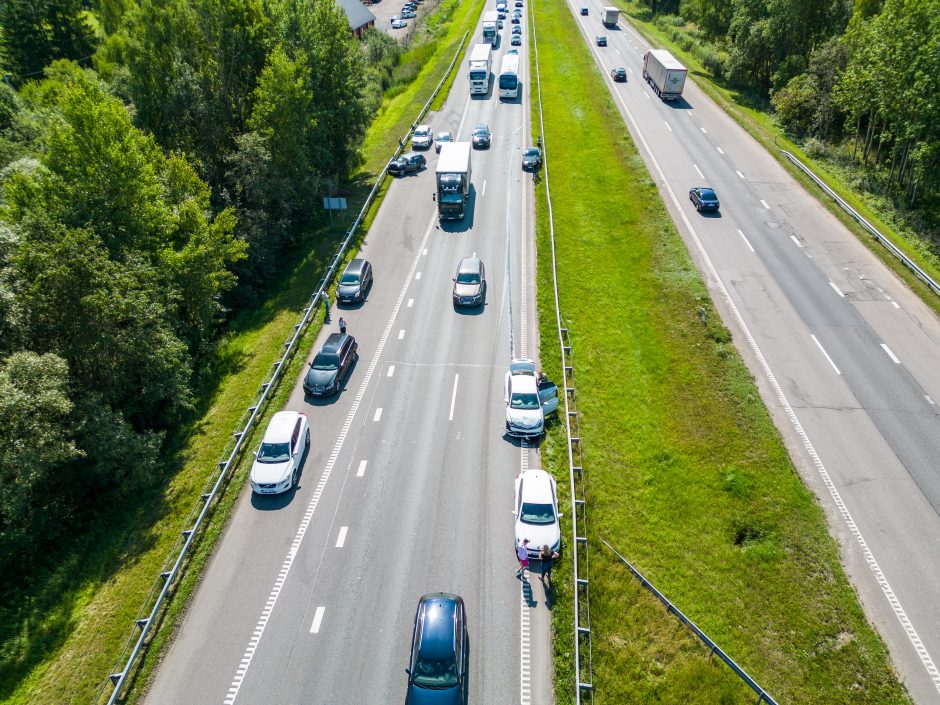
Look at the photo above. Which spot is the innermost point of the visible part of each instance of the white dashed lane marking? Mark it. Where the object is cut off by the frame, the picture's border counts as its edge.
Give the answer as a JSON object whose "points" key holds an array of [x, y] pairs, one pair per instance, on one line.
{"points": [[401, 334], [668, 128], [764, 204], [362, 468], [837, 289], [411, 302], [740, 175], [341, 538], [795, 241], [699, 171], [391, 370], [417, 276], [453, 397], [746, 241], [720, 150], [823, 350], [378, 414], [317, 620], [890, 354]]}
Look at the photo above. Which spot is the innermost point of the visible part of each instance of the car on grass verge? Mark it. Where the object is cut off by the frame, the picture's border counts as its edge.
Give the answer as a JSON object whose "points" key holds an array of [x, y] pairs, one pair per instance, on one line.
{"points": [[470, 282], [536, 511], [276, 467], [412, 161], [531, 159], [529, 396], [422, 137], [331, 365], [481, 135], [354, 282], [516, 41], [601, 41], [398, 23], [441, 138], [440, 652], [704, 198]]}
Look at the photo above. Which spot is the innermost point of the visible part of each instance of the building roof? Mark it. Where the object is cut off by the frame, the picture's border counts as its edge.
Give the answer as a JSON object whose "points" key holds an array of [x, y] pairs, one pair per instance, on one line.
{"points": [[357, 14]]}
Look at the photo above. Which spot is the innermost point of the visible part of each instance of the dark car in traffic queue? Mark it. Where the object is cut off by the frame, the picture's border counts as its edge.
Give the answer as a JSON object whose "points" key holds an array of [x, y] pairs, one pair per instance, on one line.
{"points": [[412, 161], [354, 282], [331, 365], [619, 74], [532, 159], [470, 283], [481, 136], [601, 40], [704, 198], [440, 652]]}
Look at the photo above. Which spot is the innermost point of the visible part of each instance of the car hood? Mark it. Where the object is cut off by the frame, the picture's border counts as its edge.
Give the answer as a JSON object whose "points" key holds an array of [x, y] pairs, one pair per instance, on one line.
{"points": [[538, 534], [466, 290], [481, 138], [270, 472], [348, 289], [529, 160], [320, 378], [417, 139], [525, 418], [430, 696]]}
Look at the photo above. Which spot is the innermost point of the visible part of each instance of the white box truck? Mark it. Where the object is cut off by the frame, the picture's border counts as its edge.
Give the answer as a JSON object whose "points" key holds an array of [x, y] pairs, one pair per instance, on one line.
{"points": [[490, 32], [611, 15], [453, 180], [480, 69], [664, 73]]}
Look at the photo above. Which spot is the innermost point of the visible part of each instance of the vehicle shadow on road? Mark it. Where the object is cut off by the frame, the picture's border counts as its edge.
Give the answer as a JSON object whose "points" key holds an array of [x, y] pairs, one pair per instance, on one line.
{"points": [[679, 103], [710, 214], [529, 442]]}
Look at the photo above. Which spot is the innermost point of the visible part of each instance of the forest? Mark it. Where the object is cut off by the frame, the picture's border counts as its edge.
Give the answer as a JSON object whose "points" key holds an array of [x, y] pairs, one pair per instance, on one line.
{"points": [[157, 159]]}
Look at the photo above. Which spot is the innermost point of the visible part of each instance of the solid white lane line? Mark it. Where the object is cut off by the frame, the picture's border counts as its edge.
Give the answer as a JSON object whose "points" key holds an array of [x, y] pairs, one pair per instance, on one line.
{"points": [[893, 357], [483, 190], [667, 126], [317, 619], [401, 334], [391, 370], [453, 398], [362, 468], [746, 241], [837, 289], [701, 175], [417, 275], [411, 302], [378, 413], [764, 204], [720, 150], [823, 350], [341, 538], [795, 241]]}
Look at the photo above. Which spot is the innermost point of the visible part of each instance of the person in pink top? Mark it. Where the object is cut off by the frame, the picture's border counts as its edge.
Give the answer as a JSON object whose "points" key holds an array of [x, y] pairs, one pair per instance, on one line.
{"points": [[522, 553]]}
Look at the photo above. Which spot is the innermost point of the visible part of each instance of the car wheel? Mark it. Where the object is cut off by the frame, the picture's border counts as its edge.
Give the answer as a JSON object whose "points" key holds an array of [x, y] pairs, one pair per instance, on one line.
{"points": [[698, 207], [294, 479], [307, 438]]}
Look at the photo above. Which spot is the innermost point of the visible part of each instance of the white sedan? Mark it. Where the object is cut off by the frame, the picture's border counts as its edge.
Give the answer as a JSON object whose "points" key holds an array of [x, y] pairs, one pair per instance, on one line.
{"points": [[398, 23], [536, 511], [529, 397], [277, 462]]}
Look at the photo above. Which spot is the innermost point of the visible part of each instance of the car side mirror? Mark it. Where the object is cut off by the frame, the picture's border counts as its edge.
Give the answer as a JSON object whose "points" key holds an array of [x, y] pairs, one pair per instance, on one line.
{"points": [[560, 515], [408, 671], [514, 514]]}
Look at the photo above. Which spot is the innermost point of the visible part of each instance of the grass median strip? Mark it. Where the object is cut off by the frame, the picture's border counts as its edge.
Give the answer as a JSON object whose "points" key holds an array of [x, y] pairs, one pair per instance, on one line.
{"points": [[687, 475]]}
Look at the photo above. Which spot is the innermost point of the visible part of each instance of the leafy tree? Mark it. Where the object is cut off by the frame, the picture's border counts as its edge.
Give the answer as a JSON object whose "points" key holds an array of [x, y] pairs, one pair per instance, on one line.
{"points": [[37, 32], [712, 16]]}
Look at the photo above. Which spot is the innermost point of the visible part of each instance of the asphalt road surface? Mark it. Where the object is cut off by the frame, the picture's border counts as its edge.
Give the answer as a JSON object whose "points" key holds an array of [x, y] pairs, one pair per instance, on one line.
{"points": [[844, 353], [407, 489]]}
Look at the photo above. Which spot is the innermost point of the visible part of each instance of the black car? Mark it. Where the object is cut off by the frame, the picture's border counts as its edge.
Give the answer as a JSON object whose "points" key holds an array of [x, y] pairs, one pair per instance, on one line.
{"points": [[470, 283], [517, 30], [355, 281], [532, 159], [584, 11], [618, 74], [330, 367], [405, 163], [703, 198], [601, 40], [437, 669], [515, 20], [480, 137]]}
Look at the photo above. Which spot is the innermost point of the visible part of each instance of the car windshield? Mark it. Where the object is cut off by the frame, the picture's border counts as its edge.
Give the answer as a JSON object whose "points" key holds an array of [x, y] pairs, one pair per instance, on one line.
{"points": [[326, 361], [349, 279], [468, 278], [274, 453], [531, 153], [527, 401], [537, 513], [422, 133], [480, 130], [443, 137], [435, 673]]}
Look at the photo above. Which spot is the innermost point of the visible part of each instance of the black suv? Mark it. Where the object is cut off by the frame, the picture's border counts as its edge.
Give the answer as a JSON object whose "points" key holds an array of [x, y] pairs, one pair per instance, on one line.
{"points": [[480, 137], [470, 283], [356, 280], [331, 366], [412, 161], [437, 669], [619, 74]]}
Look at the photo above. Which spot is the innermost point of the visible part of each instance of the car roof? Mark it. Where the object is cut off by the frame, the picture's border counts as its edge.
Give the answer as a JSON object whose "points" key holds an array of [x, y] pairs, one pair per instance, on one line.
{"points": [[705, 190], [334, 342], [423, 128], [437, 612], [537, 486], [355, 266], [281, 426], [469, 264]]}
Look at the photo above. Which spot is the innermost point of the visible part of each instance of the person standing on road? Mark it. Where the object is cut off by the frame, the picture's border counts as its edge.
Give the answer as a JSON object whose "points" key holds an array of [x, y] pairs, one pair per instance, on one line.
{"points": [[547, 558], [522, 553], [326, 305], [342, 325]]}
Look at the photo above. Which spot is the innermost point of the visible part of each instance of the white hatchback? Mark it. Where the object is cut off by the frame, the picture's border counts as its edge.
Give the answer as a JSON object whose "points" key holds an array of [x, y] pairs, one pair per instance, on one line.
{"points": [[528, 399], [277, 462], [536, 511]]}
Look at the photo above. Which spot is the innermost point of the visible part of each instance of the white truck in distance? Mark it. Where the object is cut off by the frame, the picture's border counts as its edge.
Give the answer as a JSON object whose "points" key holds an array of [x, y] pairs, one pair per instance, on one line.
{"points": [[611, 15], [664, 73], [480, 69], [490, 32]]}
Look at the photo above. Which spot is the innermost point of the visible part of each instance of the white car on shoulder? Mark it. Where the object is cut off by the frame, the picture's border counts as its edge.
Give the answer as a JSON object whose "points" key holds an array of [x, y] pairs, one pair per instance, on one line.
{"points": [[422, 137], [277, 462], [528, 399], [398, 23], [536, 511]]}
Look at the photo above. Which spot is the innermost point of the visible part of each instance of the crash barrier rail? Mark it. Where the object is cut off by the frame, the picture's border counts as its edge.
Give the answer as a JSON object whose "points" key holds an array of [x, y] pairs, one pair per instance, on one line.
{"points": [[890, 246], [175, 565], [583, 663], [762, 695]]}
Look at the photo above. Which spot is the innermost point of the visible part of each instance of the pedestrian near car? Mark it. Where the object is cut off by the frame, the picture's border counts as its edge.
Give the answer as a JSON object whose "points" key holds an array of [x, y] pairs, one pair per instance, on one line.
{"points": [[547, 558], [326, 305], [342, 325], [522, 553]]}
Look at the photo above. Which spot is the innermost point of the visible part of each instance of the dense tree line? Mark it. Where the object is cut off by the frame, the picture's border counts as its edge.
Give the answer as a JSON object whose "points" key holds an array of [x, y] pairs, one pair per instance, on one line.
{"points": [[157, 159], [862, 71]]}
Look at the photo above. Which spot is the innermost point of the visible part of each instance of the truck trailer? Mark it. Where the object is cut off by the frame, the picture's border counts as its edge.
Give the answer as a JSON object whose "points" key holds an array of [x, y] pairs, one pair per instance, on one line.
{"points": [[480, 69], [664, 73], [453, 180], [611, 15], [490, 33]]}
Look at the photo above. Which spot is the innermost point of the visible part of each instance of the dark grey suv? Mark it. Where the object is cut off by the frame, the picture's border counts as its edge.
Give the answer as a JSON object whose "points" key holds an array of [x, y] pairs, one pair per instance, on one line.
{"points": [[437, 669], [331, 366], [355, 282], [412, 161], [470, 282]]}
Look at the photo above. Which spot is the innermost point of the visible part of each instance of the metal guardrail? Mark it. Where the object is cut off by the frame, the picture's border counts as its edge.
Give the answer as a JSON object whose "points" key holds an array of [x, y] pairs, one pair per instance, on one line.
{"points": [[583, 655], [176, 563], [894, 249], [762, 695]]}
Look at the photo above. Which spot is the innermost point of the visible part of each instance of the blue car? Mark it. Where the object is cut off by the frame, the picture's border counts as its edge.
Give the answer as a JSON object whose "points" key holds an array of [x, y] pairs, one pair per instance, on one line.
{"points": [[437, 669], [703, 198]]}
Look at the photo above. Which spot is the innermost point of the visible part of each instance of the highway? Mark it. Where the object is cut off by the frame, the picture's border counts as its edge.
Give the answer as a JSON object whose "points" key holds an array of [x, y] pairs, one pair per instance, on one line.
{"points": [[408, 486], [845, 355]]}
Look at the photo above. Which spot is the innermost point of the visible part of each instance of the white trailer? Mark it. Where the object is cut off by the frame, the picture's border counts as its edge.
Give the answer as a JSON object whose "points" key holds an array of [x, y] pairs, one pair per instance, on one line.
{"points": [[611, 15], [664, 73], [490, 33], [480, 69]]}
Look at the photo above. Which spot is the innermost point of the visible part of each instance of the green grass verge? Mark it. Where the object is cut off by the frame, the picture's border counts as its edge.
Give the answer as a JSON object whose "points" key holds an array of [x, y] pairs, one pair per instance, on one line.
{"points": [[765, 130], [61, 641], [686, 474]]}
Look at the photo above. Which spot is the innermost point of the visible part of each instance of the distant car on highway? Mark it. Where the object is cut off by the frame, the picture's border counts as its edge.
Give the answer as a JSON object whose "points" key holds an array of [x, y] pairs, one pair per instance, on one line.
{"points": [[354, 282], [532, 159], [480, 137], [516, 41], [518, 3], [536, 511], [470, 283], [276, 468], [499, 24], [442, 137], [331, 365], [412, 161], [515, 20], [704, 198], [517, 30], [514, 52], [619, 74], [529, 397], [501, 15], [440, 652], [398, 23], [601, 40], [422, 137], [584, 11]]}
